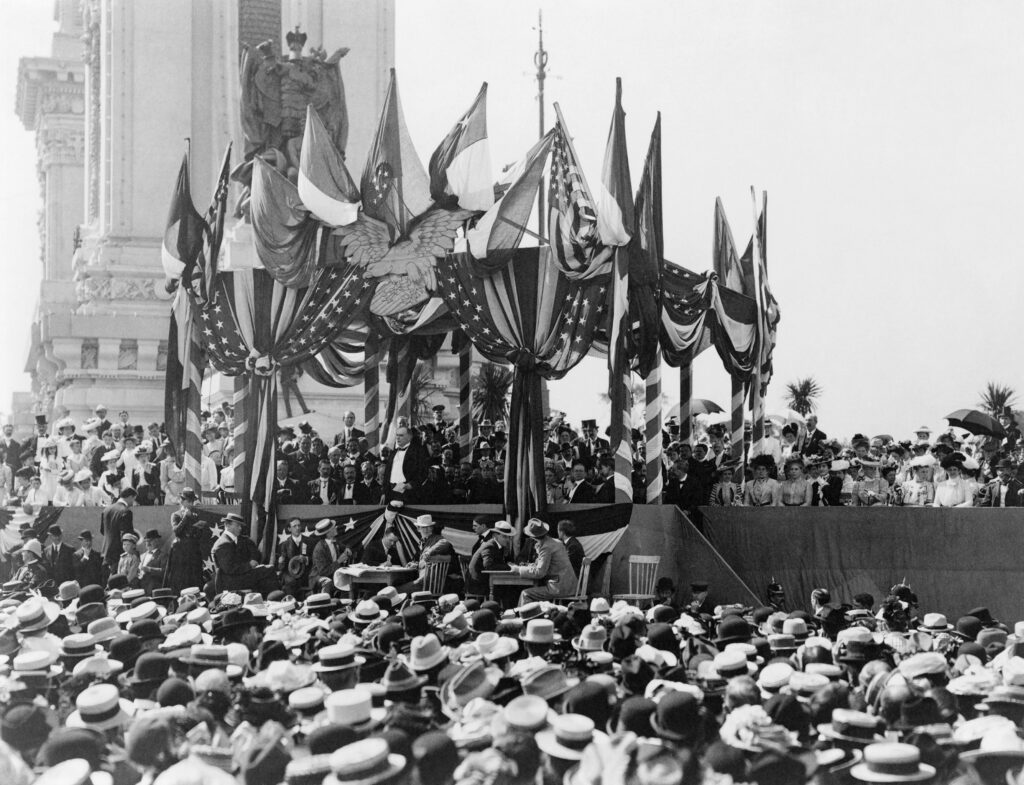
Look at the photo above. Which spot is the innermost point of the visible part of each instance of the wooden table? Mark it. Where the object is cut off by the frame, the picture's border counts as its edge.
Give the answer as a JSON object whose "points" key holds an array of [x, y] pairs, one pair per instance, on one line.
{"points": [[506, 578], [381, 576]]}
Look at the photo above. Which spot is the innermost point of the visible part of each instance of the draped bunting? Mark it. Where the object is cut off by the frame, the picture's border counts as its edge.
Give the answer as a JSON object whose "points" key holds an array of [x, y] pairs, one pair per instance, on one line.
{"points": [[252, 325], [698, 313], [530, 315]]}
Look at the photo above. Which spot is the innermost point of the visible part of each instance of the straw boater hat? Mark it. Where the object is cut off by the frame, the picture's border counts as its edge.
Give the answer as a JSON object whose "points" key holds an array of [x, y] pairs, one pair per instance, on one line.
{"points": [[354, 709], [339, 657], [892, 762], [100, 707], [365, 762]]}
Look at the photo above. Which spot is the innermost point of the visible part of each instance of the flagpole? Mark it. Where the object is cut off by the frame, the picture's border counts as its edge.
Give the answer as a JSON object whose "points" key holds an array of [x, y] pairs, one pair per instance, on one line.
{"points": [[736, 442], [652, 433], [540, 59], [685, 394]]}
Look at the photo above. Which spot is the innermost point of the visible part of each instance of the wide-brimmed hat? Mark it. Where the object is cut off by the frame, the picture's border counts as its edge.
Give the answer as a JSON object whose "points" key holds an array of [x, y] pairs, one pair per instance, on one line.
{"points": [[540, 631], [392, 595], [547, 682], [233, 517], [474, 680], [367, 612], [36, 663], [100, 707], [593, 637], [36, 613], [503, 527], [338, 657], [568, 736], [353, 708], [399, 678], [892, 762], [426, 653], [424, 521], [733, 662], [99, 665], [365, 762], [536, 528], [935, 622], [324, 526], [1001, 750], [854, 727], [78, 646]]}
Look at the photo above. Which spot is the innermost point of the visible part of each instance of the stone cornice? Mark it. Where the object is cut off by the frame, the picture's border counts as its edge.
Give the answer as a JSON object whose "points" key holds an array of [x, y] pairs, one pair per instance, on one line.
{"points": [[45, 89]]}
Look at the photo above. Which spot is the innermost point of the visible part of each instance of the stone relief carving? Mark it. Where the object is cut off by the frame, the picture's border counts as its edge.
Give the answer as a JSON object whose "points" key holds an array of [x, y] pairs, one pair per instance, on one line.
{"points": [[128, 355], [91, 56], [101, 288], [90, 354]]}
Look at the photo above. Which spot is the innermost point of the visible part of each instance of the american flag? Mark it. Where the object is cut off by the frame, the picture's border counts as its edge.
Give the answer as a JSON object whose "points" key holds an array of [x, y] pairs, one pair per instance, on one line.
{"points": [[204, 272], [572, 217]]}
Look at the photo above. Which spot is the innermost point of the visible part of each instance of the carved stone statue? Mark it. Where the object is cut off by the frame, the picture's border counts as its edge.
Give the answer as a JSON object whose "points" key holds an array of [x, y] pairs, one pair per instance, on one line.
{"points": [[276, 91]]}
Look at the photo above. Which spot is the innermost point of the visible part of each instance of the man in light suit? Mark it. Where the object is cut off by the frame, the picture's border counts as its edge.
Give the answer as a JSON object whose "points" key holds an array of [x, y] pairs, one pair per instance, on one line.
{"points": [[551, 568]]}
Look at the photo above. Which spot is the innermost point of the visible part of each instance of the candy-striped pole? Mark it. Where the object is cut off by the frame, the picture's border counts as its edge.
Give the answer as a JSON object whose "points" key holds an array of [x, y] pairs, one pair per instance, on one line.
{"points": [[737, 424], [652, 433], [465, 394], [371, 395]]}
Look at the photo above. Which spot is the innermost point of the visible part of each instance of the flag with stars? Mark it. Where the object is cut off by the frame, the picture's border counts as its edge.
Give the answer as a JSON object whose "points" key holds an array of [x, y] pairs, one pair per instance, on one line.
{"points": [[531, 315], [573, 227], [698, 313], [204, 271]]}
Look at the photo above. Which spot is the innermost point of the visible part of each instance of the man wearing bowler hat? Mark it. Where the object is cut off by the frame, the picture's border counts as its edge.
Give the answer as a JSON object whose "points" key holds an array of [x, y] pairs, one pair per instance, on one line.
{"points": [[1005, 489], [59, 557]]}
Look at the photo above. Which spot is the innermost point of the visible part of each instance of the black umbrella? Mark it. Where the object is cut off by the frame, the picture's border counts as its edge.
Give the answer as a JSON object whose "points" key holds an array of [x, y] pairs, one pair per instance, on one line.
{"points": [[973, 421]]}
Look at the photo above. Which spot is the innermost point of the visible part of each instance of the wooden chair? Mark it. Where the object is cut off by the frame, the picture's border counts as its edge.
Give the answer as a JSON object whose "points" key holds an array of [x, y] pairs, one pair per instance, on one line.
{"points": [[464, 569], [582, 585], [435, 574], [643, 572]]}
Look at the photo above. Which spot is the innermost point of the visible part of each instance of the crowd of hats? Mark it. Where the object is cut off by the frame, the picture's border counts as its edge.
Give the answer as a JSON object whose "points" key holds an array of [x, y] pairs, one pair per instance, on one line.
{"points": [[395, 687]]}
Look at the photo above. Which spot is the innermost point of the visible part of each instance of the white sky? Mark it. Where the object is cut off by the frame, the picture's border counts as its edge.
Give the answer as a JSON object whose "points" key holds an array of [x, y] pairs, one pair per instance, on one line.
{"points": [[886, 134]]}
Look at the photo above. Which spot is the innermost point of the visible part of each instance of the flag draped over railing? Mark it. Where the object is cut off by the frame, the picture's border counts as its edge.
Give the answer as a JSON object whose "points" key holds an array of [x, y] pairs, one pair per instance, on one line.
{"points": [[530, 315]]}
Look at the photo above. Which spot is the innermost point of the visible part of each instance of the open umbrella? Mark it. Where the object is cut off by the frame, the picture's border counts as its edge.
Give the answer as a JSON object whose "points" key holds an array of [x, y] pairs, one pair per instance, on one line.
{"points": [[787, 418], [697, 406], [973, 421]]}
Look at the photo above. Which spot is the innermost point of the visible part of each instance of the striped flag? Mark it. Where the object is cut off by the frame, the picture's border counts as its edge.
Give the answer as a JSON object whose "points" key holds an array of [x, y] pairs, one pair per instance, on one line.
{"points": [[325, 185], [573, 229], [461, 164], [204, 272], [183, 238], [646, 263], [394, 185], [183, 385], [499, 231], [615, 227]]}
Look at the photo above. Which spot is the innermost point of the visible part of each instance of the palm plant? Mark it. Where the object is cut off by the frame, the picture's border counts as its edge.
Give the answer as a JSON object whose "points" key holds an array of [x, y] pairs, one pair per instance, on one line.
{"points": [[801, 395], [491, 389], [996, 398]]}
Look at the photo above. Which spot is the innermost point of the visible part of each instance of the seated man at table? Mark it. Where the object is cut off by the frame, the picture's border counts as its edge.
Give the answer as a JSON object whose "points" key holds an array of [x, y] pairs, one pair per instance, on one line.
{"points": [[433, 545], [328, 556], [551, 569], [494, 554], [383, 551], [236, 560]]}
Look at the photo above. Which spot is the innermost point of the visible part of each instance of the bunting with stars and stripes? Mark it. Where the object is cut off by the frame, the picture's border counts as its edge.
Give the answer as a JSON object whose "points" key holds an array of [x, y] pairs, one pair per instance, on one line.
{"points": [[531, 315]]}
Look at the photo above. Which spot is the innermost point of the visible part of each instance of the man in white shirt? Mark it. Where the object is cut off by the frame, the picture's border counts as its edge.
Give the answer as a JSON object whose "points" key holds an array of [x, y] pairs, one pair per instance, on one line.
{"points": [[346, 492]]}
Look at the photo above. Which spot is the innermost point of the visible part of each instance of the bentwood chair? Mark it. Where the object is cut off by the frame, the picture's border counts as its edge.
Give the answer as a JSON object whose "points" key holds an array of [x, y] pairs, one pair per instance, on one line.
{"points": [[643, 572]]}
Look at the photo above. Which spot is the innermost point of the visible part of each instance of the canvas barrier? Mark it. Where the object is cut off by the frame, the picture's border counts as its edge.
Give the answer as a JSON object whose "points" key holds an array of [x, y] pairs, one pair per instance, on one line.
{"points": [[954, 560]]}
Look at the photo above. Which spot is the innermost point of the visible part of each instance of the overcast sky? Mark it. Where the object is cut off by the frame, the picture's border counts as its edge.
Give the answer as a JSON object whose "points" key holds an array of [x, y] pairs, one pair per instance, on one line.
{"points": [[886, 134]]}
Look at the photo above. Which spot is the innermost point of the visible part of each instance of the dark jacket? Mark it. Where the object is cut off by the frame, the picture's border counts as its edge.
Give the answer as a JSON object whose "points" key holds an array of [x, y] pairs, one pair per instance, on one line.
{"points": [[993, 491], [115, 521], [576, 555], [290, 491], [156, 568], [584, 493], [414, 464], [231, 560], [88, 568], [61, 567], [368, 494], [489, 556], [313, 491], [323, 565]]}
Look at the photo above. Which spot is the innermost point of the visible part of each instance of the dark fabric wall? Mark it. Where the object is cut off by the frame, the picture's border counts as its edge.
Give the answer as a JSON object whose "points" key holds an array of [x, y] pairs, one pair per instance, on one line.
{"points": [[954, 560]]}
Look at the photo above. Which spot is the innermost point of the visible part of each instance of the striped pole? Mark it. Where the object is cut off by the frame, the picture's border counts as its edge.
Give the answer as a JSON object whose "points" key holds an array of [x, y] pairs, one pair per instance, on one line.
{"points": [[240, 460], [685, 395], [737, 425], [624, 450], [757, 409], [371, 394], [652, 433], [465, 394]]}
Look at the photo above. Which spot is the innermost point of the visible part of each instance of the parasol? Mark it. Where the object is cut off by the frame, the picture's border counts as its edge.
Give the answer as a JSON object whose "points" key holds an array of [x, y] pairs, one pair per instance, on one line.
{"points": [[973, 421], [697, 406]]}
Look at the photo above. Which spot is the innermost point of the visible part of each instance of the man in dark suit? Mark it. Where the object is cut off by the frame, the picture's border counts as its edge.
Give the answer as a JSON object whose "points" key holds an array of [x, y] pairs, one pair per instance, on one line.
{"points": [[347, 486], [152, 563], [368, 489], [437, 426], [10, 448], [567, 534], [815, 437], [582, 491], [324, 489], [58, 557], [406, 467], [115, 522], [590, 444], [235, 559], [494, 554], [29, 447], [287, 489], [606, 481], [294, 581], [349, 431], [1005, 489], [303, 463], [88, 564]]}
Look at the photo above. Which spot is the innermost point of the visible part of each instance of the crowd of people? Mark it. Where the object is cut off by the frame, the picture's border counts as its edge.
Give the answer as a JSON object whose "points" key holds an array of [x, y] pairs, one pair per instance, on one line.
{"points": [[88, 464], [227, 685]]}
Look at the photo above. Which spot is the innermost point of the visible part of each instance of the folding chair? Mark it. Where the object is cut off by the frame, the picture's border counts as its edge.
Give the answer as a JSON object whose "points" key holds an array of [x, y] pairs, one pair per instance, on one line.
{"points": [[643, 572]]}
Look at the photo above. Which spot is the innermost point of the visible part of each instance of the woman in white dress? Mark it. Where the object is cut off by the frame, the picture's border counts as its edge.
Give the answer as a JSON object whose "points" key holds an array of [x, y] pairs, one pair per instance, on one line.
{"points": [[50, 467], [955, 490]]}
